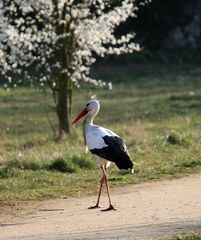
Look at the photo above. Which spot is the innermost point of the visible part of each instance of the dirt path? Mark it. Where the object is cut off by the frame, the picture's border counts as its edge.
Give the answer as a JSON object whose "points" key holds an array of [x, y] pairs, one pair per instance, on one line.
{"points": [[143, 211]]}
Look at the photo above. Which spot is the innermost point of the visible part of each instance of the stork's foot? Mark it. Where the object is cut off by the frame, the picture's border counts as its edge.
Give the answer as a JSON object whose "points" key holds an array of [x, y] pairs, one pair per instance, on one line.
{"points": [[93, 207], [109, 209]]}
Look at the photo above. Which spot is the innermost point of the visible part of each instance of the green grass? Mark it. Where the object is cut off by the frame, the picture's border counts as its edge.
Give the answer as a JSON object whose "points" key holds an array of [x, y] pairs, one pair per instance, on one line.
{"points": [[156, 109], [191, 236]]}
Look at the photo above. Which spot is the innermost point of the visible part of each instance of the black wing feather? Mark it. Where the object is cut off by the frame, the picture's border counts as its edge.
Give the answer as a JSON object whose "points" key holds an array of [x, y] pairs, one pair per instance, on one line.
{"points": [[116, 151]]}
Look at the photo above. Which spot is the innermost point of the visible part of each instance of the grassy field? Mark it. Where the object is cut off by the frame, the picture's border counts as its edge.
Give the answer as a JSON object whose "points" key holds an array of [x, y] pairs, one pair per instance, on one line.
{"points": [[191, 236], [156, 109]]}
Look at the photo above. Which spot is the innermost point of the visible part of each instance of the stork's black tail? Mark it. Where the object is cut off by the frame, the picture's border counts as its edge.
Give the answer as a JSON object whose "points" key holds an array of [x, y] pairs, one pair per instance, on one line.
{"points": [[124, 162], [116, 152]]}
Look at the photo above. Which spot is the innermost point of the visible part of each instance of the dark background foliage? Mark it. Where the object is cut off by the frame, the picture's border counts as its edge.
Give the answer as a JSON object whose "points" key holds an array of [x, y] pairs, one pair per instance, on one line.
{"points": [[168, 29]]}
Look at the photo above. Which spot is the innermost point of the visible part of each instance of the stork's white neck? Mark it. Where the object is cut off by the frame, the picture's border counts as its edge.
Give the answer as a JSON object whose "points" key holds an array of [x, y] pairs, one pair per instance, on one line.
{"points": [[89, 119]]}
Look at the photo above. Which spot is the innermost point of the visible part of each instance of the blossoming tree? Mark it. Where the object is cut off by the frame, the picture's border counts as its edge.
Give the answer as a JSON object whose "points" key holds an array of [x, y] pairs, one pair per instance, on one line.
{"points": [[60, 40]]}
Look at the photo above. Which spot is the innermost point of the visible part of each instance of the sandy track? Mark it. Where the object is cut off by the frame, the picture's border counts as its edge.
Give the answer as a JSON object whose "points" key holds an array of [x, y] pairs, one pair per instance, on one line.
{"points": [[143, 211]]}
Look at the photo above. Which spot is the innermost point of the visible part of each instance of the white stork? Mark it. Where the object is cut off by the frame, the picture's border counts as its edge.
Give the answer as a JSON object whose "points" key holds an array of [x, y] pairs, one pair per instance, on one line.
{"points": [[105, 145]]}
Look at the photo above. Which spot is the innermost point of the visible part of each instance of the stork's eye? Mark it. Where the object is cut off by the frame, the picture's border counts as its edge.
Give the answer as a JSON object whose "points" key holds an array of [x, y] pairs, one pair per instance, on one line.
{"points": [[87, 104]]}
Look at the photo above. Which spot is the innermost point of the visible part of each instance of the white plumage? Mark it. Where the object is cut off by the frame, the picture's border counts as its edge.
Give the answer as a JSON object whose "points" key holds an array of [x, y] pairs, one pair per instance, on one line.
{"points": [[94, 136]]}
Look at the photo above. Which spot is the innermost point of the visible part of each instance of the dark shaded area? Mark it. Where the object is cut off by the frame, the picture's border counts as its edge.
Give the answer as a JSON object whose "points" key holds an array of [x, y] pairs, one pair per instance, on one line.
{"points": [[169, 30]]}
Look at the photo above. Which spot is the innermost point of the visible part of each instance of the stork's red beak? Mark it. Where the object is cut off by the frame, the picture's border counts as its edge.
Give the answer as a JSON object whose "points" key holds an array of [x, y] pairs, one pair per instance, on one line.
{"points": [[81, 114]]}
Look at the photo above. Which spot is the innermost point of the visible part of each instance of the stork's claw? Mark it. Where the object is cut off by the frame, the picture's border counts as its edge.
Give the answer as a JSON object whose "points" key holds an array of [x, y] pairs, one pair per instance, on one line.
{"points": [[93, 207], [108, 209]]}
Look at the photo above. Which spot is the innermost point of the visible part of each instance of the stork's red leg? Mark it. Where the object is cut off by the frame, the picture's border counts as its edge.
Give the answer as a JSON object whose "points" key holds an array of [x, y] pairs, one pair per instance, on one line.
{"points": [[108, 191], [99, 194], [104, 179]]}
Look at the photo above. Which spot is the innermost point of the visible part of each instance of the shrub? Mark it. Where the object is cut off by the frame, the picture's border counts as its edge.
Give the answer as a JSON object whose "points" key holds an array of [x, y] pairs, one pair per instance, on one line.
{"points": [[174, 138], [83, 162], [62, 165]]}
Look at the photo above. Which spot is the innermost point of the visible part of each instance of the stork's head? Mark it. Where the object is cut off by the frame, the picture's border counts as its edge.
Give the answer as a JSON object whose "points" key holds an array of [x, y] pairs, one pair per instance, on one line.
{"points": [[90, 111]]}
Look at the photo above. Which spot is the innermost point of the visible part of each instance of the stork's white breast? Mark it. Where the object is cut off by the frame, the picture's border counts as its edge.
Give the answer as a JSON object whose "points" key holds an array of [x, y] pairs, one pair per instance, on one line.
{"points": [[94, 136]]}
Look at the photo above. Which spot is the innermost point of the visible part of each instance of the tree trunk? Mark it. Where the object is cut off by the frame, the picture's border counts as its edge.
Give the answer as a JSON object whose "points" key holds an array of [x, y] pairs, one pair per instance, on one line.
{"points": [[64, 100], [62, 108]]}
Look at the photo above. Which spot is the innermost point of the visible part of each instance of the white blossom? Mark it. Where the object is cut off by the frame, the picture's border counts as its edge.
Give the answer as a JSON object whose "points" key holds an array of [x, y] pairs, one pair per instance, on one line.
{"points": [[31, 38]]}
